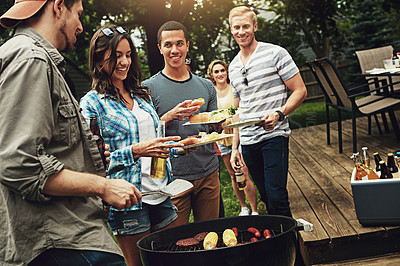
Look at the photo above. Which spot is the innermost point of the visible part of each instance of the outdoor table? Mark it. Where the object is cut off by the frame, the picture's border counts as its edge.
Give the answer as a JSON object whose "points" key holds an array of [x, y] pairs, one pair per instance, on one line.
{"points": [[382, 72]]}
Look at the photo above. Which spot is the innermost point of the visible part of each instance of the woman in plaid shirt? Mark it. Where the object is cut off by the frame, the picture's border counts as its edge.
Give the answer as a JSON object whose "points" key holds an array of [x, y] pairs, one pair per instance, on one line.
{"points": [[128, 123]]}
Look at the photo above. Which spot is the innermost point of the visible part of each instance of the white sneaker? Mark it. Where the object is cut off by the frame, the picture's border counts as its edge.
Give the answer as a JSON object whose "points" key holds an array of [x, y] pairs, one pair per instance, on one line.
{"points": [[254, 213], [245, 211]]}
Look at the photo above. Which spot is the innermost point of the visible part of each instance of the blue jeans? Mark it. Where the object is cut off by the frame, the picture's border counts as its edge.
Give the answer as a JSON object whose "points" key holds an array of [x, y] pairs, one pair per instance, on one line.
{"points": [[268, 166], [68, 257]]}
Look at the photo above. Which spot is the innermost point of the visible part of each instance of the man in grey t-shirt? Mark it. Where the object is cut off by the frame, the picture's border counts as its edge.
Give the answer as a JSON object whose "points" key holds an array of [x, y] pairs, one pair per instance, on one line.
{"points": [[171, 88], [260, 75]]}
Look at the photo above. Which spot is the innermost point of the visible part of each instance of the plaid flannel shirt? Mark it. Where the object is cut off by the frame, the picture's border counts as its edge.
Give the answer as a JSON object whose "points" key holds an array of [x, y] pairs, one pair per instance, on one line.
{"points": [[119, 128]]}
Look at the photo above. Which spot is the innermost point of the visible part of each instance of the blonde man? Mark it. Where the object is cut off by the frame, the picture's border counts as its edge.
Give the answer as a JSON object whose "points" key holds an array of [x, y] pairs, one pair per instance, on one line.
{"points": [[260, 75]]}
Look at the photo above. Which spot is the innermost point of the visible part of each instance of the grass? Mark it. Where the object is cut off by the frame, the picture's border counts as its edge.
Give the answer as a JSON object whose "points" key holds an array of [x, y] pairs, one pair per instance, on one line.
{"points": [[312, 113], [231, 203]]}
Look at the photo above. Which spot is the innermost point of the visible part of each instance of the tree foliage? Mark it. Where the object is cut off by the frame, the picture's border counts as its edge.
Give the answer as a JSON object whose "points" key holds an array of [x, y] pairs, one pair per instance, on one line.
{"points": [[328, 27]]}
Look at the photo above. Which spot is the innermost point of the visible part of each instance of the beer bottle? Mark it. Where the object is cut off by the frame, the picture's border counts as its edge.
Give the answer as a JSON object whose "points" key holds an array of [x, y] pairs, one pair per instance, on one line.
{"points": [[385, 172], [94, 127], [377, 160], [360, 170], [240, 180], [366, 156], [391, 164]]}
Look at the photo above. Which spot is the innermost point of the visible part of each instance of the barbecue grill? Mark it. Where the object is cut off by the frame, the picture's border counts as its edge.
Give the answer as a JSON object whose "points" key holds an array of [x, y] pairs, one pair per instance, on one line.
{"points": [[159, 248]]}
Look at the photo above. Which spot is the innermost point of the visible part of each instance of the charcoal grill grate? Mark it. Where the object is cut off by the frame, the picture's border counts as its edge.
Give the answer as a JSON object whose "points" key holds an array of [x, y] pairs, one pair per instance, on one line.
{"points": [[243, 238]]}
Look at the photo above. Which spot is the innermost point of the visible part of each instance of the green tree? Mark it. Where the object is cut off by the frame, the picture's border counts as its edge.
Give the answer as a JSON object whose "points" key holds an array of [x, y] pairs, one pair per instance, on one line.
{"points": [[371, 25], [317, 19], [202, 18]]}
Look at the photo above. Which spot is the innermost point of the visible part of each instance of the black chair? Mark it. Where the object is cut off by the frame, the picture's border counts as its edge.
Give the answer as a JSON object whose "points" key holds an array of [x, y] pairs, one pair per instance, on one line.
{"points": [[344, 99]]}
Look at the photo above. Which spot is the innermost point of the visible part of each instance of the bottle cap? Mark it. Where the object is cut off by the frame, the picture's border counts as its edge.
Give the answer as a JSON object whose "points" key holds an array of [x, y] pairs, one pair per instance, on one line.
{"points": [[390, 154], [364, 148]]}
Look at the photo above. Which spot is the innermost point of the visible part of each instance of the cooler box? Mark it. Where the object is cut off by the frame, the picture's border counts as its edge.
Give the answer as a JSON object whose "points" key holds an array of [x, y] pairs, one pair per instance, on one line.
{"points": [[377, 202]]}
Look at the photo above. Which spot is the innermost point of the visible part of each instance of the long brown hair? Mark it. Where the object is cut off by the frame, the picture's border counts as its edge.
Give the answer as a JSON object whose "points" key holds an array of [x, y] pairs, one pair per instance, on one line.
{"points": [[210, 69], [101, 79]]}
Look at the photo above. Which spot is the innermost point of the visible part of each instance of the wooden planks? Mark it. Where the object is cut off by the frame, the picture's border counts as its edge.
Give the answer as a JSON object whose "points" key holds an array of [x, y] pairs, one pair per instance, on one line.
{"points": [[320, 192]]}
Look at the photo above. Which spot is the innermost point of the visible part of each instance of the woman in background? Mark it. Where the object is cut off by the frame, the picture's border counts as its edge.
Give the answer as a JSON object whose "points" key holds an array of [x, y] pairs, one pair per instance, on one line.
{"points": [[217, 72]]}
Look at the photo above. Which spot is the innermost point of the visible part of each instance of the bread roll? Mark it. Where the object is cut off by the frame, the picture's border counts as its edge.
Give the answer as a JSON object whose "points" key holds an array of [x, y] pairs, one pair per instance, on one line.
{"points": [[200, 118], [196, 102], [189, 141]]}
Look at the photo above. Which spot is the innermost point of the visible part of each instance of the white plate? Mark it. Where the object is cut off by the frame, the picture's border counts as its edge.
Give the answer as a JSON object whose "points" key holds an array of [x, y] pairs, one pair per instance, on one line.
{"points": [[240, 110], [377, 71], [223, 136], [205, 123], [244, 123]]}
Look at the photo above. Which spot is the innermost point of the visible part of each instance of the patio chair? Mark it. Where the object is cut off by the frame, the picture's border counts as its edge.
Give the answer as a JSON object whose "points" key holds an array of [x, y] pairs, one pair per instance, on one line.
{"points": [[331, 100], [373, 58], [366, 106]]}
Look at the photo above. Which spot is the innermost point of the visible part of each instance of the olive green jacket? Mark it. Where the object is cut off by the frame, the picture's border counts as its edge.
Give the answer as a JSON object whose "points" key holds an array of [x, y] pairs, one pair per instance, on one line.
{"points": [[42, 132]]}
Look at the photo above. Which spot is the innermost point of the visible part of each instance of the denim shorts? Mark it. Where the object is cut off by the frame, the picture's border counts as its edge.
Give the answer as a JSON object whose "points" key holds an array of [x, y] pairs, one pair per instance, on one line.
{"points": [[224, 149], [153, 217], [227, 149]]}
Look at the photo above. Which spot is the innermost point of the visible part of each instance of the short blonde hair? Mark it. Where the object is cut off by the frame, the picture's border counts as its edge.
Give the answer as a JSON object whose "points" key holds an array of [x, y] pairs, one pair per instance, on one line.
{"points": [[242, 10]]}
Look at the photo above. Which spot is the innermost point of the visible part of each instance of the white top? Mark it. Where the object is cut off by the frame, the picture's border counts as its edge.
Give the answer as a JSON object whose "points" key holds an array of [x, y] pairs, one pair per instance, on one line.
{"points": [[146, 131], [222, 101]]}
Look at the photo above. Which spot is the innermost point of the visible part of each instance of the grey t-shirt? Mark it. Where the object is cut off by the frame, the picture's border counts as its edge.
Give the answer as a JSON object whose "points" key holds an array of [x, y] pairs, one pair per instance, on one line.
{"points": [[167, 93]]}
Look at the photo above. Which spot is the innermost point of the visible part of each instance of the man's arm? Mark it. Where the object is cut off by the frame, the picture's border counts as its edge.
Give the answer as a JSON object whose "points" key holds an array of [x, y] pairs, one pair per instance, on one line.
{"points": [[116, 192], [299, 94]]}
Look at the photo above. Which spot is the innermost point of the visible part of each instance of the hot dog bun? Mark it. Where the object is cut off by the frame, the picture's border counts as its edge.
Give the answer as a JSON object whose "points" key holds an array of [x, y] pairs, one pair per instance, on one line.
{"points": [[196, 102], [189, 141], [200, 118]]}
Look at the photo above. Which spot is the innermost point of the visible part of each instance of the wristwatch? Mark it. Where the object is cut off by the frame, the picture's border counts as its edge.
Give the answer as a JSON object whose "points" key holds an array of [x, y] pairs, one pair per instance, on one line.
{"points": [[281, 115]]}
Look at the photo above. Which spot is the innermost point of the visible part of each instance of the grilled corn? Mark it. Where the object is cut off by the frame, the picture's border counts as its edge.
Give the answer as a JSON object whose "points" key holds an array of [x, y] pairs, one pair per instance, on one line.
{"points": [[210, 241], [229, 238]]}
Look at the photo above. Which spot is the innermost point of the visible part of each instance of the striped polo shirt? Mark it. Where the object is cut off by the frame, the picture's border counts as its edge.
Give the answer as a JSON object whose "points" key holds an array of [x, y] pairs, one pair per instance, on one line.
{"points": [[265, 92]]}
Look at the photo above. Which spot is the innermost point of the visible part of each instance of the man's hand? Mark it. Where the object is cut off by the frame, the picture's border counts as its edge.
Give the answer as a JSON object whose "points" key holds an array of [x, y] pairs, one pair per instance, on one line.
{"points": [[216, 127], [180, 112], [236, 160], [270, 121], [120, 194]]}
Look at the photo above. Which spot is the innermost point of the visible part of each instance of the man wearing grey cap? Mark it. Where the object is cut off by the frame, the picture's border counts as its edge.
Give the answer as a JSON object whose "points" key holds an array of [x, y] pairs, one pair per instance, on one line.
{"points": [[51, 172]]}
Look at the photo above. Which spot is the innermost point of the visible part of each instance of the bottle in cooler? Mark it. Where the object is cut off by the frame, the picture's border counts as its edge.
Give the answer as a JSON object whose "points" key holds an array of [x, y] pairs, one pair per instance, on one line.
{"points": [[366, 156], [391, 163], [385, 172], [377, 158]]}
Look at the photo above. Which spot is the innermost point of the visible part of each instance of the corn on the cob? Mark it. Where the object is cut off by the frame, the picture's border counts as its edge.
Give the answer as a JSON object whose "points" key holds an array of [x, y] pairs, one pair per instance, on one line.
{"points": [[210, 241], [229, 238]]}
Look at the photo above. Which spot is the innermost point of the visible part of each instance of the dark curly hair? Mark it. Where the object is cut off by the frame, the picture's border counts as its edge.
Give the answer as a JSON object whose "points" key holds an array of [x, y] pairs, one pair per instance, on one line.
{"points": [[101, 79]]}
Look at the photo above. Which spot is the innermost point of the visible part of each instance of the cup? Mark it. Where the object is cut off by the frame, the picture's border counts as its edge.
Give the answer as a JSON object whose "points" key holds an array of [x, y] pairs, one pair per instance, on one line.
{"points": [[389, 64], [159, 165], [396, 62]]}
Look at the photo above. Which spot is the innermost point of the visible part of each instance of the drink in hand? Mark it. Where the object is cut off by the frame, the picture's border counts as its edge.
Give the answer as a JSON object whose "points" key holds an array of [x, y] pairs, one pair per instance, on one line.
{"points": [[159, 165]]}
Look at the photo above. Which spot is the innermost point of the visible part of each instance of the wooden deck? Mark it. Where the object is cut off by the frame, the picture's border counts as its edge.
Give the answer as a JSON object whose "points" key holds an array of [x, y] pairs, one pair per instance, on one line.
{"points": [[320, 192]]}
